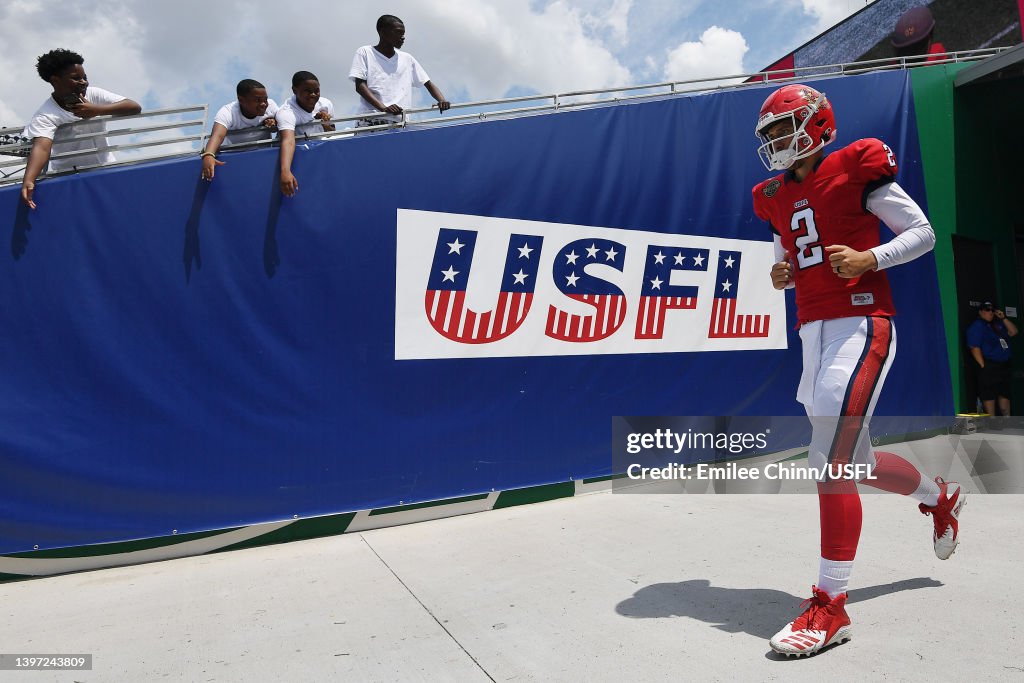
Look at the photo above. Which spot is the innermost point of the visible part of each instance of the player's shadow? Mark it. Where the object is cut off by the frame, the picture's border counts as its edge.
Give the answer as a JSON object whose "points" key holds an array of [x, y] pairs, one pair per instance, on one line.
{"points": [[757, 611]]}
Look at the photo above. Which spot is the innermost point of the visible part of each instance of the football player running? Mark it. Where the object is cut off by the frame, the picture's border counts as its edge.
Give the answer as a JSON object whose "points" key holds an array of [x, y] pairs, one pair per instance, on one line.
{"points": [[824, 210]]}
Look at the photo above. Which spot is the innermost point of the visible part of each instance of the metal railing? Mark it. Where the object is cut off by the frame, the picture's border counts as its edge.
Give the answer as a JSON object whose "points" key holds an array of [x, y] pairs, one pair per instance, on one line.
{"points": [[494, 109], [480, 110], [140, 139], [13, 149]]}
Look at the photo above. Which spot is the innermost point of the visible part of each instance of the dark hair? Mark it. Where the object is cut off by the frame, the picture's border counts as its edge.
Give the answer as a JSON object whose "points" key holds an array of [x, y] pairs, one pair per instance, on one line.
{"points": [[302, 77], [386, 20], [55, 61], [247, 85]]}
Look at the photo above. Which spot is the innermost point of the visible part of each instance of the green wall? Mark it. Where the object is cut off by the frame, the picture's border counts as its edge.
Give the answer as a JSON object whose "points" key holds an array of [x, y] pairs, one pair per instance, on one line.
{"points": [[971, 149], [933, 104], [990, 184]]}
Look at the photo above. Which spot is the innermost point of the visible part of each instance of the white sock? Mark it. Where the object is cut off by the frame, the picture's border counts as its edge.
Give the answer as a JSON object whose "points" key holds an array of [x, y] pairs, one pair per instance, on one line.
{"points": [[927, 492], [834, 576]]}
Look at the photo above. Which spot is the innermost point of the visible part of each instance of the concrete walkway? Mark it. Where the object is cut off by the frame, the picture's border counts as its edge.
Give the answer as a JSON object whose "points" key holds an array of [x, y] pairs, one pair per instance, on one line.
{"points": [[602, 587]]}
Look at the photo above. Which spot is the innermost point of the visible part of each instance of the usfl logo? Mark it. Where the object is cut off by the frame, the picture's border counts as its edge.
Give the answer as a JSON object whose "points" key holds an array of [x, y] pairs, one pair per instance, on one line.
{"points": [[476, 286]]}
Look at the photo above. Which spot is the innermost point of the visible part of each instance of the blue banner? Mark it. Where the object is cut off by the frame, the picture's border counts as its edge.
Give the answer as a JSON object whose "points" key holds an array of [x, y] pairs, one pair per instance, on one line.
{"points": [[186, 356]]}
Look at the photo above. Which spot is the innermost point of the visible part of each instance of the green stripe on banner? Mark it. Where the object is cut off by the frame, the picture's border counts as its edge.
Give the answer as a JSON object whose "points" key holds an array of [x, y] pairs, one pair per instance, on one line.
{"points": [[798, 456], [933, 105], [535, 494], [428, 504], [607, 477], [119, 547], [301, 530]]}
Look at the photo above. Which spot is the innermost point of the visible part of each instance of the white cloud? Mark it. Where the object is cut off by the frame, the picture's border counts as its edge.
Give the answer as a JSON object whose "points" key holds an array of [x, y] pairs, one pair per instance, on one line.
{"points": [[106, 46], [614, 22], [8, 117], [719, 52], [193, 51], [828, 13], [618, 19], [489, 46]]}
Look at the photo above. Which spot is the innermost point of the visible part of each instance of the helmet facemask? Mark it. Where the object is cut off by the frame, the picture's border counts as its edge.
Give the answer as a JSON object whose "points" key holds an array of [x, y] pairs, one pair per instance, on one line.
{"points": [[773, 155]]}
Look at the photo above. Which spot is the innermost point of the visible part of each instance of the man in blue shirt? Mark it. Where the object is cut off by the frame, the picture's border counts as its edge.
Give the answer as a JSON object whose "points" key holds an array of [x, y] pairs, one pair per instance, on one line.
{"points": [[988, 337]]}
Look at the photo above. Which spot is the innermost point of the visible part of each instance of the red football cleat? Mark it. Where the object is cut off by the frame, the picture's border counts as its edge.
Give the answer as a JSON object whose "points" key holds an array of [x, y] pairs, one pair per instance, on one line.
{"points": [[823, 622], [945, 516]]}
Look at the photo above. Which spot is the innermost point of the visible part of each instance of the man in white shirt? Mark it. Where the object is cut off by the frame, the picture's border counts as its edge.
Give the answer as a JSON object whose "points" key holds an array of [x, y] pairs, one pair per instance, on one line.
{"points": [[249, 118], [304, 113], [385, 76], [72, 100]]}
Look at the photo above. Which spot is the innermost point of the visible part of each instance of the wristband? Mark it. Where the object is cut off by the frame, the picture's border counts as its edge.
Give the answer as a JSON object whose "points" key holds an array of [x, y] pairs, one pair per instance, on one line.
{"points": [[208, 154]]}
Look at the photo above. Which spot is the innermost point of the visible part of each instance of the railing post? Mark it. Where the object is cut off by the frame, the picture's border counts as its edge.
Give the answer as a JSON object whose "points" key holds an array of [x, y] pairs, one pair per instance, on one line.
{"points": [[203, 135]]}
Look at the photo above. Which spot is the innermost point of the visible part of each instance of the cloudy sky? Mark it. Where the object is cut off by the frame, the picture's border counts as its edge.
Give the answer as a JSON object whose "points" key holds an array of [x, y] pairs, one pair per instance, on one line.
{"points": [[167, 54]]}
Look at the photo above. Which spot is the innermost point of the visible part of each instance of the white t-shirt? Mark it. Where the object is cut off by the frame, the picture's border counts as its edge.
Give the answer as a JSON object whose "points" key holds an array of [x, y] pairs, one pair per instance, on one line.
{"points": [[390, 80], [46, 122], [293, 117], [230, 116]]}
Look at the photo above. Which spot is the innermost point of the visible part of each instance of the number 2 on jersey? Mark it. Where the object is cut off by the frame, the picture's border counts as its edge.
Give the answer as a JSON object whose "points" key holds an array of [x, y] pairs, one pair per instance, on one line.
{"points": [[809, 252], [889, 156]]}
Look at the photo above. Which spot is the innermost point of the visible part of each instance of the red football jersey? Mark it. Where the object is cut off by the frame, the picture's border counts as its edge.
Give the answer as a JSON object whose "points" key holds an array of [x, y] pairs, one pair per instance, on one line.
{"points": [[828, 208]]}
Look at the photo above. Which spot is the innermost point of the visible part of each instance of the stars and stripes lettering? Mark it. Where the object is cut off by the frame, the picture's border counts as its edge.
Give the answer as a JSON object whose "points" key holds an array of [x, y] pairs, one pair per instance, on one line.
{"points": [[445, 298], [610, 312], [657, 293], [726, 323], [572, 279], [484, 287]]}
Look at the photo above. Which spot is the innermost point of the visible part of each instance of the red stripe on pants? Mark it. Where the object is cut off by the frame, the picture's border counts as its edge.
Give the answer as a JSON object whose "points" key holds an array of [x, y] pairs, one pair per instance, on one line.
{"points": [[858, 394]]}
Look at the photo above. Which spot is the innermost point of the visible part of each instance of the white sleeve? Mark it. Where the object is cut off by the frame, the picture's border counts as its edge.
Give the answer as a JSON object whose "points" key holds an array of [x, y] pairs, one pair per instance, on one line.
{"points": [[914, 234], [419, 74], [780, 255], [360, 67], [223, 116], [101, 96], [271, 108], [40, 126], [285, 119]]}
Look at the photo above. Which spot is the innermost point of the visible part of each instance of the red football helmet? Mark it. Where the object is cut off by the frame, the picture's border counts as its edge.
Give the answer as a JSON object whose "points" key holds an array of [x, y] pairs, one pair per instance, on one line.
{"points": [[813, 125]]}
